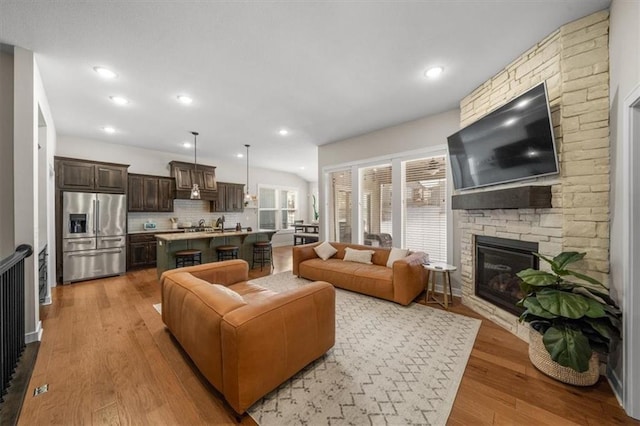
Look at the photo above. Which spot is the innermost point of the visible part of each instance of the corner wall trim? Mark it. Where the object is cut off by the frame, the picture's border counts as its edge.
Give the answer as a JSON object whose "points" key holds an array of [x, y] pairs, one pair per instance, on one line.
{"points": [[34, 336]]}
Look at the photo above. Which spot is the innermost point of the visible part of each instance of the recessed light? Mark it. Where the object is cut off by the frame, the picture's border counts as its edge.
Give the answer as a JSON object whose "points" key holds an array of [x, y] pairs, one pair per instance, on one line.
{"points": [[105, 73], [301, 167], [186, 144], [283, 132], [184, 99], [240, 155], [433, 72], [109, 129], [119, 100]]}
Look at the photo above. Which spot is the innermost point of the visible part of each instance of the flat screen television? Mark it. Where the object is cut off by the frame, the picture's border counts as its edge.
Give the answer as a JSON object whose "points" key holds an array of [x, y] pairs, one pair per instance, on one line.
{"points": [[512, 143]]}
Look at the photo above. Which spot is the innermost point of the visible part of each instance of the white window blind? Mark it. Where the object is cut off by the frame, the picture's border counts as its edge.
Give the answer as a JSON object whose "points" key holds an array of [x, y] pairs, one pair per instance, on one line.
{"points": [[340, 206], [424, 207], [376, 211]]}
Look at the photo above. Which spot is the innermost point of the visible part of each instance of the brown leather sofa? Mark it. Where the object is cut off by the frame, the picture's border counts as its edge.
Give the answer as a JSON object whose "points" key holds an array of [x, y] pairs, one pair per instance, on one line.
{"points": [[400, 284], [249, 342]]}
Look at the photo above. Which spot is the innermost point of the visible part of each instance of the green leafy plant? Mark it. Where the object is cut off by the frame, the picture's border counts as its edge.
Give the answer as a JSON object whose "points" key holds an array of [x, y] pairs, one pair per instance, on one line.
{"points": [[574, 319]]}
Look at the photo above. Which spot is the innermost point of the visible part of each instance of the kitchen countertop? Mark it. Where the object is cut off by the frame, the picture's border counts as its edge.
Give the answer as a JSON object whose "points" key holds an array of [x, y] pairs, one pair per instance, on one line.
{"points": [[154, 231], [181, 236]]}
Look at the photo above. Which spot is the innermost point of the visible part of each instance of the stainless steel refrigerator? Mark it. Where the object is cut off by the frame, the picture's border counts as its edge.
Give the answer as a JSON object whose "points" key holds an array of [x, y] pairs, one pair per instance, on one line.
{"points": [[93, 235]]}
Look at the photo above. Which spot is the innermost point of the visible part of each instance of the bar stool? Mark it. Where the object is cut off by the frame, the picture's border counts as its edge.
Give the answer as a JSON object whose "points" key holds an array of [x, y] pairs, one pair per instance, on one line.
{"points": [[188, 258], [227, 252], [262, 254]]}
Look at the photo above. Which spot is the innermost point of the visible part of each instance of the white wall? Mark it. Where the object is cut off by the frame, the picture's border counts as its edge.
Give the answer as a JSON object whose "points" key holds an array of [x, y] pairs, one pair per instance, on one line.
{"points": [[29, 99], [624, 57], [154, 162], [7, 245]]}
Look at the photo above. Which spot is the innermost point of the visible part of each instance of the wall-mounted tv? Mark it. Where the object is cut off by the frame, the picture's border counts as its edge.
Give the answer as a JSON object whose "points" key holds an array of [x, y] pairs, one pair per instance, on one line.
{"points": [[511, 143]]}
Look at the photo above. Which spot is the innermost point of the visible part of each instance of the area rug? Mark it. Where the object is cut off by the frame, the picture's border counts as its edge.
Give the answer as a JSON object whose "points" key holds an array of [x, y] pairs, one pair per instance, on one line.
{"points": [[390, 365], [158, 307]]}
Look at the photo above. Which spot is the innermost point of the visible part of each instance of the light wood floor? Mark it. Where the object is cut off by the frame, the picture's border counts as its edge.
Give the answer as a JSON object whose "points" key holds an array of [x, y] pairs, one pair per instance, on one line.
{"points": [[109, 360]]}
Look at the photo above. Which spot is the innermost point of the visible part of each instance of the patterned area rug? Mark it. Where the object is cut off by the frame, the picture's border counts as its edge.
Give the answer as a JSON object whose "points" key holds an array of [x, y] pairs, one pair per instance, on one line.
{"points": [[390, 365]]}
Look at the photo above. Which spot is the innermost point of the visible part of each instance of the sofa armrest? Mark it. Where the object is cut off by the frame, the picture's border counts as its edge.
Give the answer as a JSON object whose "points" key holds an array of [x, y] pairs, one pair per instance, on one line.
{"points": [[266, 342], [302, 253], [226, 273], [409, 277]]}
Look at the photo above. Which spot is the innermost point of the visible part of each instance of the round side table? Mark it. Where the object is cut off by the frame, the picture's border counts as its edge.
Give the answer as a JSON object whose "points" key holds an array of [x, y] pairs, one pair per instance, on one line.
{"points": [[433, 268]]}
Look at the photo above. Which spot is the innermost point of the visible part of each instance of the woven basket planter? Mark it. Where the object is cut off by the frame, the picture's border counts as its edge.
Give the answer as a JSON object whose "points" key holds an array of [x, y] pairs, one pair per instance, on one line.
{"points": [[541, 359]]}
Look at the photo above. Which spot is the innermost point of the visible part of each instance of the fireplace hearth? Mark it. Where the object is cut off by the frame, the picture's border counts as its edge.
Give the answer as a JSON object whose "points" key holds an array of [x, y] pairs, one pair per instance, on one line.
{"points": [[497, 261]]}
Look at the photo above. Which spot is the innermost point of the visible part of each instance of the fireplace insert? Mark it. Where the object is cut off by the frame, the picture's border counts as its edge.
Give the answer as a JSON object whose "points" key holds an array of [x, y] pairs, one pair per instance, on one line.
{"points": [[497, 262]]}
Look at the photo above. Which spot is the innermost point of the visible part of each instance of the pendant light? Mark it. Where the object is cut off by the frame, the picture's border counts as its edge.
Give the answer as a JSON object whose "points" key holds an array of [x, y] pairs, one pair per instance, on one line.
{"points": [[195, 190], [247, 197]]}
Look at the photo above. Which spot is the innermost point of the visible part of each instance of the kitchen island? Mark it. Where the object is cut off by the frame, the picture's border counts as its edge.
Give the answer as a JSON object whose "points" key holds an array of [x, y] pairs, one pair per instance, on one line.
{"points": [[169, 244]]}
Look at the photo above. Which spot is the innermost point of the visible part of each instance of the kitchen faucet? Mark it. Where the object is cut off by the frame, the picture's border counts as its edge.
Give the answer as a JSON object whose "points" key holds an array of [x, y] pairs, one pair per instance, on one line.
{"points": [[220, 222]]}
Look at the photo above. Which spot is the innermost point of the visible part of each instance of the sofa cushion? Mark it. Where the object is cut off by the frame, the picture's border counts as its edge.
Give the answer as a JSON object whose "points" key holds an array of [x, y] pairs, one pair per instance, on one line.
{"points": [[396, 254], [229, 292], [325, 250], [359, 256]]}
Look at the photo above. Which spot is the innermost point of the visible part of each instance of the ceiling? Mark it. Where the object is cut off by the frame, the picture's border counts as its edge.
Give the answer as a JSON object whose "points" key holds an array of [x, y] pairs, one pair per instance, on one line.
{"points": [[325, 71]]}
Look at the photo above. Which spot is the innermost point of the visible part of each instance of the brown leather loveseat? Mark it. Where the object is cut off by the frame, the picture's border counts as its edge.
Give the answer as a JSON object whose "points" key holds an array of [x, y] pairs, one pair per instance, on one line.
{"points": [[401, 283], [246, 340]]}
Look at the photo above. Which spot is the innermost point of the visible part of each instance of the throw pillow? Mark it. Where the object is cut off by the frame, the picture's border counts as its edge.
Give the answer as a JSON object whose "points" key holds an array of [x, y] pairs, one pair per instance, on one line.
{"points": [[360, 256], [325, 250], [229, 292], [396, 254]]}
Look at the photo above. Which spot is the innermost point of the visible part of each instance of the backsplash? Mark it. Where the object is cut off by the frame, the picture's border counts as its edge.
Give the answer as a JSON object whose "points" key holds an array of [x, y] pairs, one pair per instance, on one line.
{"points": [[191, 211]]}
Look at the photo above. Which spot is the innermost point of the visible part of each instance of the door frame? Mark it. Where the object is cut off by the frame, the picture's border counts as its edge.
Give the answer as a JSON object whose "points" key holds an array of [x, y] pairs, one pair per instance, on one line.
{"points": [[631, 252]]}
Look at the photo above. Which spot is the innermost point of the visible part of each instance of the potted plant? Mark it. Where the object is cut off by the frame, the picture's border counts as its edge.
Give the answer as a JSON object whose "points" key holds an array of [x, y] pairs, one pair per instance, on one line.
{"points": [[572, 321]]}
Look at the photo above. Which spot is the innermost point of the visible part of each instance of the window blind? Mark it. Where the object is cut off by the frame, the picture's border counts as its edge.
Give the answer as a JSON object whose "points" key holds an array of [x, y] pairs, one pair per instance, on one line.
{"points": [[376, 211], [424, 206], [341, 206]]}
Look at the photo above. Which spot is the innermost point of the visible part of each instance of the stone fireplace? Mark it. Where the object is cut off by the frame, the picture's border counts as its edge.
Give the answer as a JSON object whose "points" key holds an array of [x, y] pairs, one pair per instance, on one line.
{"points": [[497, 261], [574, 62]]}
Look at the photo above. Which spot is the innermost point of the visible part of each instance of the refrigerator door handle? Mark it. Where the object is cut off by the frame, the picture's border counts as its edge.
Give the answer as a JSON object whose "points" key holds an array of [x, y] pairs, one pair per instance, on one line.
{"points": [[95, 224], [97, 217], [83, 241], [94, 254], [111, 238]]}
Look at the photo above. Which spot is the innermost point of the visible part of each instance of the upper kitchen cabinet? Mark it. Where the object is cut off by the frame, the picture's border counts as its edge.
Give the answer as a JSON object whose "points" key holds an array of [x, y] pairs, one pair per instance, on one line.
{"points": [[230, 198], [90, 176], [186, 174], [150, 193]]}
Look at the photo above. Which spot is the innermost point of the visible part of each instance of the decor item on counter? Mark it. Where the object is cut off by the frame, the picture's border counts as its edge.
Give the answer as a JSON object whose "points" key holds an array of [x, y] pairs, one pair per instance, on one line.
{"points": [[174, 222], [248, 198], [316, 216], [249, 229], [576, 321], [149, 225], [195, 190], [238, 227]]}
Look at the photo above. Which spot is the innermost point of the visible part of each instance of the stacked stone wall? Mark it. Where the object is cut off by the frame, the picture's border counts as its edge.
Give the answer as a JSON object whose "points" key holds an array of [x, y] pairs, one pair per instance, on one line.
{"points": [[574, 63]]}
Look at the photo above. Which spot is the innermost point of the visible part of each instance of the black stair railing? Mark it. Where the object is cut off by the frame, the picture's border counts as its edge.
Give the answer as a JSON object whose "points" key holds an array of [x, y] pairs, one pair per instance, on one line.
{"points": [[11, 313]]}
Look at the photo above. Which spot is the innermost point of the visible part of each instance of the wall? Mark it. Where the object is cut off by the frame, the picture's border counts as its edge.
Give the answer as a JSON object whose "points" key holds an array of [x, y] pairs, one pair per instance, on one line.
{"points": [[29, 102], [574, 62], [154, 162], [7, 245], [624, 78]]}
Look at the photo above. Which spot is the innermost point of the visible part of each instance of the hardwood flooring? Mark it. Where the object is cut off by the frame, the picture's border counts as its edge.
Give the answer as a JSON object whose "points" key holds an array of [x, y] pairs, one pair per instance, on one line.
{"points": [[109, 360]]}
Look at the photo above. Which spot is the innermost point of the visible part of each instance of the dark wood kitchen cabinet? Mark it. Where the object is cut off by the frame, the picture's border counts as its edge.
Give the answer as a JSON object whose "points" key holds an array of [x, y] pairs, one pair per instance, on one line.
{"points": [[186, 174], [150, 193], [90, 176], [141, 251], [230, 198]]}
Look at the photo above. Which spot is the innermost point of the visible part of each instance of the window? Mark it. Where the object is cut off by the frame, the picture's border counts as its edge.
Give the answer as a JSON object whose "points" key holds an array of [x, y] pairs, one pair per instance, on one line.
{"points": [[376, 212], [276, 206], [424, 206], [340, 213]]}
